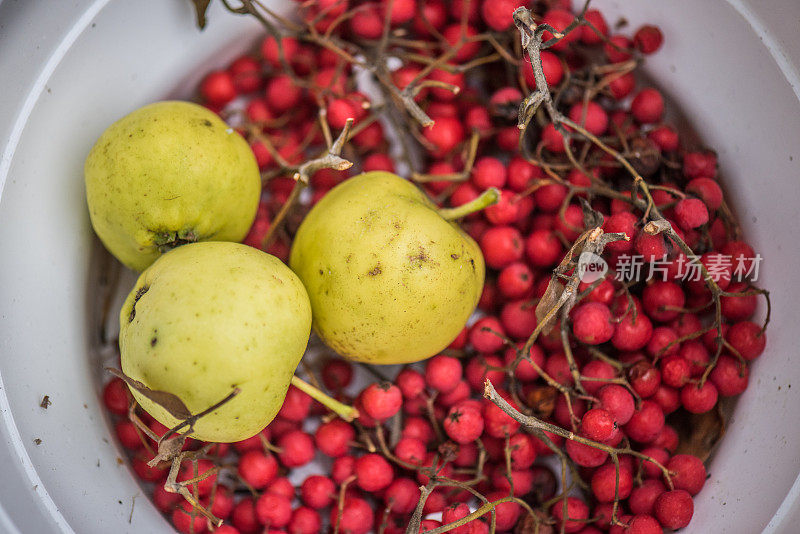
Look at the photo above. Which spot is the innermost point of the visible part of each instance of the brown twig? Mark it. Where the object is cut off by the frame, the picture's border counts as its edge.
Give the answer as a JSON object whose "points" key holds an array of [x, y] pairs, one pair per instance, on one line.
{"points": [[331, 159]]}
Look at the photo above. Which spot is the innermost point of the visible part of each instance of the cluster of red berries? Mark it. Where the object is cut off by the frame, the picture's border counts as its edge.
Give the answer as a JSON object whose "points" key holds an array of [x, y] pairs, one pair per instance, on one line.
{"points": [[642, 351]]}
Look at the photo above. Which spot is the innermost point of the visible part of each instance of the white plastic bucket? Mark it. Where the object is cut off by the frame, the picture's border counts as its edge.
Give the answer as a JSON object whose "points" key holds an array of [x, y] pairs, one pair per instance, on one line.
{"points": [[67, 69]]}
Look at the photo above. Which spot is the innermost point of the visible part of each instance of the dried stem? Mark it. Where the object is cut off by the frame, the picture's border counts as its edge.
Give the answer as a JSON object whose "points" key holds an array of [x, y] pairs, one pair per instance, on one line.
{"points": [[640, 196], [414, 524], [533, 423], [331, 159]]}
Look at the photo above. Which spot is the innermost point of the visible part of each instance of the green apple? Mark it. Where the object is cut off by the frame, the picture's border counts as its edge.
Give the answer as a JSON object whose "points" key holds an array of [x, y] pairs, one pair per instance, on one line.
{"points": [[166, 174], [389, 278], [209, 317]]}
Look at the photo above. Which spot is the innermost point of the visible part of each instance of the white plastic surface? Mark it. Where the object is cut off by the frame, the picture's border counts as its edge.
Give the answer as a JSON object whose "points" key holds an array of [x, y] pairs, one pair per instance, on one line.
{"points": [[67, 69]]}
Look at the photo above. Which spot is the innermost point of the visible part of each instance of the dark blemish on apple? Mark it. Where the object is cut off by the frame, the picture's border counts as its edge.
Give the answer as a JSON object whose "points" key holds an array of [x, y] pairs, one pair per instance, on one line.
{"points": [[139, 294], [321, 272], [207, 123], [153, 341], [472, 263], [421, 257], [369, 218], [375, 270], [455, 256], [348, 258]]}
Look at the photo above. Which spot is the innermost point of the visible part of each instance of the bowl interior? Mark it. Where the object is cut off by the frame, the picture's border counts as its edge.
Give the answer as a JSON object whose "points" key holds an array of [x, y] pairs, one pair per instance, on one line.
{"points": [[109, 60]]}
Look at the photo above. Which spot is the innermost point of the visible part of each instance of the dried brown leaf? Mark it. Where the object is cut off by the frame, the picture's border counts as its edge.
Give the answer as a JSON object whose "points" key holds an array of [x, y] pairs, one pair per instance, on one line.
{"points": [[580, 244], [169, 401], [548, 301], [591, 217], [703, 432], [200, 7]]}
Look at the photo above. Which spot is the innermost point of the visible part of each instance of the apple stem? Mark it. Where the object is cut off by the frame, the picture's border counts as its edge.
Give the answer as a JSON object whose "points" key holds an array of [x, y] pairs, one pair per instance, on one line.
{"points": [[348, 413], [487, 198]]}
